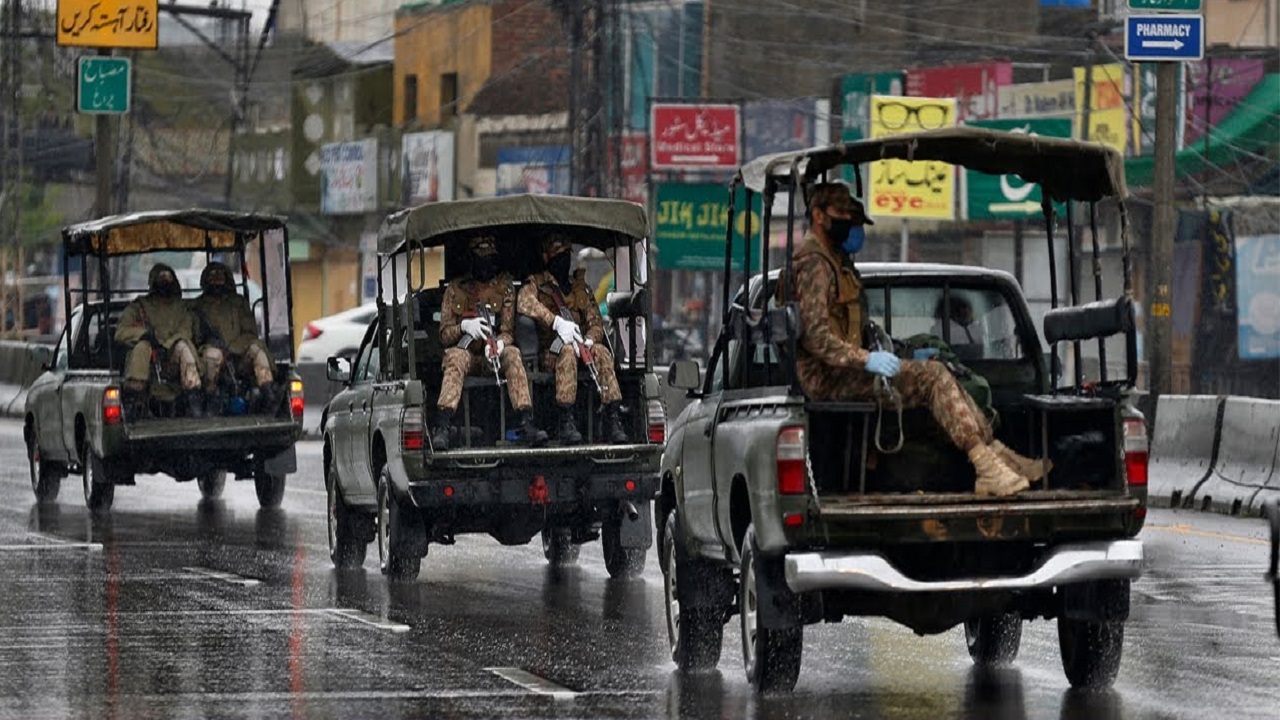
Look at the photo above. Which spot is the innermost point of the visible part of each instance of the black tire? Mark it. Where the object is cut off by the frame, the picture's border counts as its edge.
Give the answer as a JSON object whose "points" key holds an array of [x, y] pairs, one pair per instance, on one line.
{"points": [[695, 635], [348, 529], [46, 479], [398, 529], [558, 547], [270, 490], [621, 562], [1090, 651], [771, 656], [99, 488], [211, 484], [993, 640]]}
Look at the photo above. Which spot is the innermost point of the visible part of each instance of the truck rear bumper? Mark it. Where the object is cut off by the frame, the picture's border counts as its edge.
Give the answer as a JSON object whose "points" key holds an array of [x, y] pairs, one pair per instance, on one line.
{"points": [[533, 489], [872, 572]]}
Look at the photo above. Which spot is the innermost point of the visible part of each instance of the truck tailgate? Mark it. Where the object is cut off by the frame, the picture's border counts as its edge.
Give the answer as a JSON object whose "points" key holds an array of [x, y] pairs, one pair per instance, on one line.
{"points": [[245, 431], [862, 508], [641, 455]]}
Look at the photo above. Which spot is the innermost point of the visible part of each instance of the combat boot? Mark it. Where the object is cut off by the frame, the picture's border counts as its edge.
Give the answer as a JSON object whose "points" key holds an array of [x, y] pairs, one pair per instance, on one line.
{"points": [[195, 403], [568, 433], [613, 430], [528, 432], [1028, 468], [994, 477], [440, 433]]}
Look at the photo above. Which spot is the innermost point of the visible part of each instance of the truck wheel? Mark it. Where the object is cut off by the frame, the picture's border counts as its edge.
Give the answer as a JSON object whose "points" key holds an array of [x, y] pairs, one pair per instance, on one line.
{"points": [[398, 529], [621, 562], [994, 639], [1090, 651], [771, 656], [695, 634], [99, 491], [348, 529], [558, 547], [46, 479], [270, 490], [211, 483]]}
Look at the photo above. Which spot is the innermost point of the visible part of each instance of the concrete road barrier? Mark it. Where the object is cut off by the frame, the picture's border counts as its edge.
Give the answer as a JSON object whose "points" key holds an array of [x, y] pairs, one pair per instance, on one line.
{"points": [[1183, 446], [1249, 441]]}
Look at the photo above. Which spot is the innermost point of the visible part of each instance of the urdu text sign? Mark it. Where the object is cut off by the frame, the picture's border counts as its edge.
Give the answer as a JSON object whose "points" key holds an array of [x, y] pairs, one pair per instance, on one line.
{"points": [[103, 85], [689, 226], [904, 188], [109, 23]]}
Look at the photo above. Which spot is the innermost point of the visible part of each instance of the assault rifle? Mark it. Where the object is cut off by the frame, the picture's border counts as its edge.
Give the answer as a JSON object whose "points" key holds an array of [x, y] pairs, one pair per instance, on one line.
{"points": [[583, 352], [485, 313]]}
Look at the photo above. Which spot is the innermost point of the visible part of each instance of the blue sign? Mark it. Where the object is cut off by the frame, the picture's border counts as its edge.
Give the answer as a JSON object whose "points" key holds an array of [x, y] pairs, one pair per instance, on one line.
{"points": [[537, 170], [1168, 38], [1258, 296], [1066, 3]]}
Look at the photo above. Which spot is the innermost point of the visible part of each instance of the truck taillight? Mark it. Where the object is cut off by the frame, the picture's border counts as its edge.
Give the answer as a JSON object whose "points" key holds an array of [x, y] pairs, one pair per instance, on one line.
{"points": [[312, 331], [297, 403], [112, 413], [657, 422], [413, 432], [792, 467], [1135, 451]]}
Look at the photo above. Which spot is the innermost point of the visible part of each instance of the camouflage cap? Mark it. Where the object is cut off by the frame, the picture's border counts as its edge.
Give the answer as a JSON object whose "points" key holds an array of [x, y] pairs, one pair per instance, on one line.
{"points": [[836, 196], [482, 245], [554, 243]]}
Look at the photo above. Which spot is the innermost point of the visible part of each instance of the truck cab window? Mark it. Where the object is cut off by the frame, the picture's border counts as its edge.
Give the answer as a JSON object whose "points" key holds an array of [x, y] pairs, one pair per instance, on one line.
{"points": [[976, 322]]}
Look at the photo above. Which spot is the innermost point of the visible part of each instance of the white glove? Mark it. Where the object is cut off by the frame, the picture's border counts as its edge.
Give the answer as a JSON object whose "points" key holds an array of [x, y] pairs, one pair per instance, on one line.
{"points": [[568, 331], [476, 327], [589, 343], [492, 353]]}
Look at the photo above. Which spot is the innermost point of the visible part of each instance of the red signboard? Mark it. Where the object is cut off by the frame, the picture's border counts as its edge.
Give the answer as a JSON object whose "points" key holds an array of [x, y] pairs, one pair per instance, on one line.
{"points": [[632, 173], [976, 87], [687, 137]]}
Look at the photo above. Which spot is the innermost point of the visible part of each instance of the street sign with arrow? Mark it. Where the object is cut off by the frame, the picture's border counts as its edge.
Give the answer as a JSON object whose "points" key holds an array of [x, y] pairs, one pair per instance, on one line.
{"points": [[1164, 38], [993, 197]]}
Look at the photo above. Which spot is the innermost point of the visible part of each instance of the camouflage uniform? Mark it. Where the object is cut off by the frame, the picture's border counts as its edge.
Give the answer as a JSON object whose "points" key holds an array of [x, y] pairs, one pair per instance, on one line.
{"points": [[540, 299], [461, 300], [174, 327], [230, 331]]}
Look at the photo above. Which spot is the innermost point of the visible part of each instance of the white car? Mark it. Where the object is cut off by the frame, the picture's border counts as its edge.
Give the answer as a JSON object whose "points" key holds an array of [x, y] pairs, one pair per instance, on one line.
{"points": [[338, 334]]}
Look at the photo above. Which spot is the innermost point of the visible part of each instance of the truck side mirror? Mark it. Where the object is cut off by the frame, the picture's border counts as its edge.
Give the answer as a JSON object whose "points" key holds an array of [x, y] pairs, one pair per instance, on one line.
{"points": [[685, 375], [338, 369]]}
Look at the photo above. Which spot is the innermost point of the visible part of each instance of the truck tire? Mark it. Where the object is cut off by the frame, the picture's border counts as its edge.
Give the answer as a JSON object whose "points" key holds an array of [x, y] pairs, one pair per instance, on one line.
{"points": [[993, 639], [558, 547], [1090, 651], [771, 656], [695, 635], [349, 530], [270, 489], [399, 534], [99, 489], [211, 483], [621, 562], [46, 478]]}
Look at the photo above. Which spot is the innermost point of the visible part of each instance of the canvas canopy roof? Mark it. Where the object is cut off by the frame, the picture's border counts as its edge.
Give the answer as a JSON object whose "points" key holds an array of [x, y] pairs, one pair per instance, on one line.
{"points": [[1065, 169], [191, 230], [594, 222]]}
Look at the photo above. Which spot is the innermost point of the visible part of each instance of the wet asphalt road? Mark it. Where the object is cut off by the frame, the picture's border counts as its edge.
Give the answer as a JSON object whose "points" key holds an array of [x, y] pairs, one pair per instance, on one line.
{"points": [[173, 608]]}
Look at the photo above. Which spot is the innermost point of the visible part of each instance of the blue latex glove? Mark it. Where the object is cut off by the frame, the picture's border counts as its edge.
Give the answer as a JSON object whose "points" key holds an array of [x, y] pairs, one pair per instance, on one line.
{"points": [[924, 353], [885, 364]]}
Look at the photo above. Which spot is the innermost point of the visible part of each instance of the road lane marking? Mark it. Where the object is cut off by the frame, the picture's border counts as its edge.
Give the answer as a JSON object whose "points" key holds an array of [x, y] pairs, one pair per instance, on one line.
{"points": [[226, 577], [1188, 530], [369, 619], [533, 683], [52, 542]]}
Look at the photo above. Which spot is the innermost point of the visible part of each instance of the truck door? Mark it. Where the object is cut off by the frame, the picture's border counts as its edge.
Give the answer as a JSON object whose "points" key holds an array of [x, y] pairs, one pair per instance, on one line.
{"points": [[339, 419], [698, 472], [360, 407], [44, 396]]}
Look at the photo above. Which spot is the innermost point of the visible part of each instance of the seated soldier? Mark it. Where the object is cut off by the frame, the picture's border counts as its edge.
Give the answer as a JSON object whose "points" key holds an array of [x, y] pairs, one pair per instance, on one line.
{"points": [[230, 333], [159, 328], [961, 321], [561, 320], [466, 331]]}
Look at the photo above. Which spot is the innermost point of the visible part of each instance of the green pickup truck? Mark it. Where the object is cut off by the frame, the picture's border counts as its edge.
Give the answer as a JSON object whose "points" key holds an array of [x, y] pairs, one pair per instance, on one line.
{"points": [[75, 422], [386, 481], [789, 511]]}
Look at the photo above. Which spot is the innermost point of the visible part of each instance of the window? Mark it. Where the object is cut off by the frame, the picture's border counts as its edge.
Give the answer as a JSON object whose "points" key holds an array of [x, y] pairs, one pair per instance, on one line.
{"points": [[448, 95], [977, 323], [410, 98], [367, 365], [60, 354]]}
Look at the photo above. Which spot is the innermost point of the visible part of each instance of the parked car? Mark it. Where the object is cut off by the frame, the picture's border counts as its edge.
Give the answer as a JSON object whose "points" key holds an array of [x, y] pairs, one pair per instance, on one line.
{"points": [[336, 335]]}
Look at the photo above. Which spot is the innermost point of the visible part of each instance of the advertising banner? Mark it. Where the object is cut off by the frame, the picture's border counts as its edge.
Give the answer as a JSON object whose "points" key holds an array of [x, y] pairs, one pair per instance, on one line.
{"points": [[689, 222], [1258, 296], [1056, 98], [774, 126], [975, 86], [1009, 196], [538, 170], [633, 170], [907, 189], [1214, 88], [856, 90], [1108, 117], [349, 177], [426, 167], [109, 23], [688, 136]]}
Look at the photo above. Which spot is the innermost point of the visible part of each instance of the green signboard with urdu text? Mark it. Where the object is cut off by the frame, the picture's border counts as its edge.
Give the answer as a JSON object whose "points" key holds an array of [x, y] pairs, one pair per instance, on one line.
{"points": [[1009, 196], [689, 226], [1167, 5]]}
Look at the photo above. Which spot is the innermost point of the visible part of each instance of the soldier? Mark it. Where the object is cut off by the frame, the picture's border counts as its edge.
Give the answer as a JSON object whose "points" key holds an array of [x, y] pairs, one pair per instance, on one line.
{"points": [[832, 364], [461, 323], [160, 322], [230, 332], [562, 317]]}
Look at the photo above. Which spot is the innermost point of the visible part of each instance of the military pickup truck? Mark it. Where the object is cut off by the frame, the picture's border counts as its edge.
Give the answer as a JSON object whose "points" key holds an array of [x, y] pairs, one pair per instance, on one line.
{"points": [[789, 511], [386, 481], [75, 422]]}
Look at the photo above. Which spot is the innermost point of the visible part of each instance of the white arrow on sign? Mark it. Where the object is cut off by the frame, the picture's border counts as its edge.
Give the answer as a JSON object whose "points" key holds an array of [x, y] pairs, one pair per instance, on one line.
{"points": [[1027, 207], [1169, 44]]}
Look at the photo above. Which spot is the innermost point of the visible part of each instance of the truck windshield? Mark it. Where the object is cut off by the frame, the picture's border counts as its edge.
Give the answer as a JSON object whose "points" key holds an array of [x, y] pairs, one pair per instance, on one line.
{"points": [[976, 322]]}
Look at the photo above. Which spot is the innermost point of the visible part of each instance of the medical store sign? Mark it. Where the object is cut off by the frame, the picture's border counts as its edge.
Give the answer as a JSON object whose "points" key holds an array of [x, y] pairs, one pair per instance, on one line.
{"points": [[686, 136]]}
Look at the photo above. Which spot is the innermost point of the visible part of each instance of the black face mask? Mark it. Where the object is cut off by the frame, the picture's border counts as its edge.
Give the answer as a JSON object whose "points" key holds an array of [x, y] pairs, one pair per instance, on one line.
{"points": [[558, 266], [839, 229], [167, 289], [484, 267], [218, 289]]}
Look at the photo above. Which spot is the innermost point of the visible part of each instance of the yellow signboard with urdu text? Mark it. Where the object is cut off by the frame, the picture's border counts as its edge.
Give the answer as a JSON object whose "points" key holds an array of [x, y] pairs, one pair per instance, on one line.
{"points": [[911, 189], [1108, 117], [109, 23]]}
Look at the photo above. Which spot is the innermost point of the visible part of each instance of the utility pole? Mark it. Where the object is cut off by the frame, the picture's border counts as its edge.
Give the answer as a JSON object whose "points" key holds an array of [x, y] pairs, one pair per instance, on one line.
{"points": [[1163, 227], [104, 153]]}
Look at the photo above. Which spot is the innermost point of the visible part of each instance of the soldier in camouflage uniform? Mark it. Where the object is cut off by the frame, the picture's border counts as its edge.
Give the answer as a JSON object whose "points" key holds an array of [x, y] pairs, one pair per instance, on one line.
{"points": [[160, 322], [564, 317], [464, 334], [230, 332], [833, 366]]}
